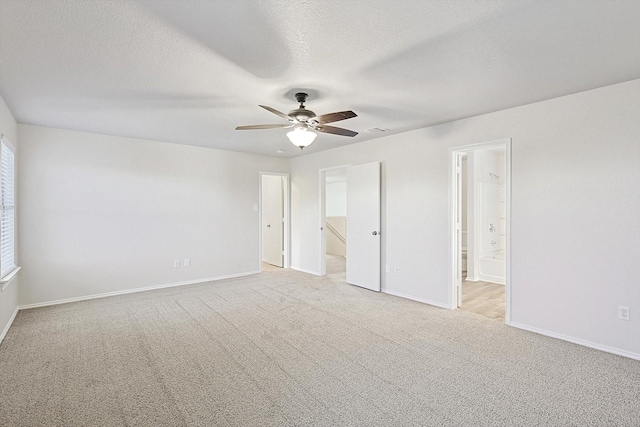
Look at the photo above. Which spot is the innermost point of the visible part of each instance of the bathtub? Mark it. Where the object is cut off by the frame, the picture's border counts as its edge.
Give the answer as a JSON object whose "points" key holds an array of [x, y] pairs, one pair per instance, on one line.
{"points": [[493, 267]]}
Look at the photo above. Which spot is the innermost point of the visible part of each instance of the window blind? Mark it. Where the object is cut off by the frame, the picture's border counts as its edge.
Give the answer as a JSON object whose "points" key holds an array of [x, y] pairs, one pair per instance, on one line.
{"points": [[7, 201]]}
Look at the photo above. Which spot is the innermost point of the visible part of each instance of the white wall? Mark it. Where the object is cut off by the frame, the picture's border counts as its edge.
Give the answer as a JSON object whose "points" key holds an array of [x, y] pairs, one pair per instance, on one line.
{"points": [[336, 198], [335, 243], [575, 211], [9, 297], [105, 214]]}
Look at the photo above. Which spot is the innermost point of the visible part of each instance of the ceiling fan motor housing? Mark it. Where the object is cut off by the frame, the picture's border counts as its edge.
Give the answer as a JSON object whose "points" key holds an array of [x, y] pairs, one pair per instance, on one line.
{"points": [[302, 114]]}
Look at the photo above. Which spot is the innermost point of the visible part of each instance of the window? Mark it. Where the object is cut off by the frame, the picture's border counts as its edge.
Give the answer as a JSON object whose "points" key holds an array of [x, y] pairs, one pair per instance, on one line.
{"points": [[7, 201]]}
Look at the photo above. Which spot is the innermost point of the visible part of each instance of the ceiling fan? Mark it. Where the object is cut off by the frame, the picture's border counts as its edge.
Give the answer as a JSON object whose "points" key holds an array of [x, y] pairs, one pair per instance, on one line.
{"points": [[305, 122]]}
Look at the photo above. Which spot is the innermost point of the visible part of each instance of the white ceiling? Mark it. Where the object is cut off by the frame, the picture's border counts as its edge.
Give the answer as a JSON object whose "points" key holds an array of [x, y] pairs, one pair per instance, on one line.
{"points": [[190, 71]]}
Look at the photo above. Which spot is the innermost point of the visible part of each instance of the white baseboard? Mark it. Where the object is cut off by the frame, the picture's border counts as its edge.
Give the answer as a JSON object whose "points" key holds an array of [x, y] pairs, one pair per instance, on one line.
{"points": [[302, 270], [131, 291], [9, 323], [579, 341], [492, 279], [425, 301]]}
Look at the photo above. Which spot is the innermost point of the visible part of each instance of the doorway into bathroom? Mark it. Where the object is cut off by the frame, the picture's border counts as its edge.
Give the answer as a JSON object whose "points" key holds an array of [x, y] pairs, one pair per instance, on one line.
{"points": [[480, 188]]}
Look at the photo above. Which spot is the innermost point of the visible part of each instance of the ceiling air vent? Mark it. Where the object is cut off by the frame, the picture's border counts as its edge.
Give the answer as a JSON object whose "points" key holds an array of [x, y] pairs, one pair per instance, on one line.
{"points": [[377, 130]]}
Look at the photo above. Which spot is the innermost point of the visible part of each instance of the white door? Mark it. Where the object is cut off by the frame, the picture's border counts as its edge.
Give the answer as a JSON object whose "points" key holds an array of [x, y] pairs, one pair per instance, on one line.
{"points": [[272, 218], [458, 274], [363, 225]]}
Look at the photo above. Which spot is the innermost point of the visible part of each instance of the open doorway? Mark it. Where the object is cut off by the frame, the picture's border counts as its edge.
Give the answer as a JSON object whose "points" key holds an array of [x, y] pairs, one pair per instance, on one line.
{"points": [[335, 220], [274, 221], [362, 232], [480, 185]]}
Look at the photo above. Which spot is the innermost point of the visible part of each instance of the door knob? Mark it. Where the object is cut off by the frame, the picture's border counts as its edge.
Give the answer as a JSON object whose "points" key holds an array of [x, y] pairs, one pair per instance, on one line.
{"points": [[375, 233]]}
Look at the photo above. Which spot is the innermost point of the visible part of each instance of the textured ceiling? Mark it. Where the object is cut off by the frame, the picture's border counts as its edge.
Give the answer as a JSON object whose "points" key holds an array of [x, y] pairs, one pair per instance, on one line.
{"points": [[190, 71]]}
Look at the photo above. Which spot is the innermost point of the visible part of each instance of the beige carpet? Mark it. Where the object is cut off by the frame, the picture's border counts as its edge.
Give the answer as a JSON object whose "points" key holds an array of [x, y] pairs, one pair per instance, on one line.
{"points": [[285, 348], [336, 264]]}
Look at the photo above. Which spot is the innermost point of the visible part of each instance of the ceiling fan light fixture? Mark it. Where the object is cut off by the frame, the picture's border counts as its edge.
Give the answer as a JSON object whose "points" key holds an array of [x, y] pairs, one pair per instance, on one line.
{"points": [[301, 137]]}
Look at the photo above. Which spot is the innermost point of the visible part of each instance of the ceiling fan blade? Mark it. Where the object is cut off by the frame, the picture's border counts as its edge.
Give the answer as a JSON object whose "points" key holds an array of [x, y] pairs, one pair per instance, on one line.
{"points": [[335, 130], [335, 117], [276, 112], [253, 127]]}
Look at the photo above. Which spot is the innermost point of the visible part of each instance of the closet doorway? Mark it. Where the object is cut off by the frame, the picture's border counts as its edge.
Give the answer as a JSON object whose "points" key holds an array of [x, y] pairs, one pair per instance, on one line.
{"points": [[274, 221]]}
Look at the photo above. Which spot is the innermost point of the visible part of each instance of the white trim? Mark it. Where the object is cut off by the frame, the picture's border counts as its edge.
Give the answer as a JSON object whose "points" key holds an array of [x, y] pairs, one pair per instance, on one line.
{"points": [[9, 323], [7, 142], [578, 341], [492, 279], [453, 230], [6, 280], [496, 143], [14, 228], [302, 270], [135, 290], [422, 300], [507, 207]]}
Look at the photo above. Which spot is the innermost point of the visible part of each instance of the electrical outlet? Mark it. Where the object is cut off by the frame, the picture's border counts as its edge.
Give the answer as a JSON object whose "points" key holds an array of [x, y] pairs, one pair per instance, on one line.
{"points": [[176, 263], [186, 262], [623, 312], [397, 270]]}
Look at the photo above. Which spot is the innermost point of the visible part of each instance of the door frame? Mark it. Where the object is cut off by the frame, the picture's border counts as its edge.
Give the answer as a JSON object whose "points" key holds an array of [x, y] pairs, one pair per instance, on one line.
{"points": [[286, 226], [322, 217], [454, 209]]}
